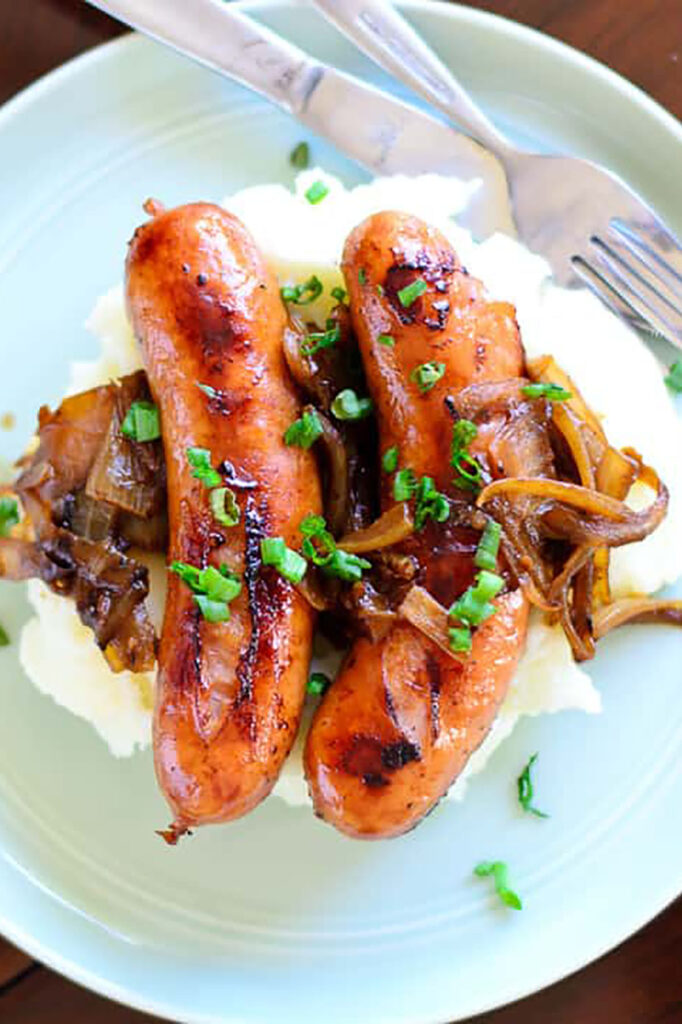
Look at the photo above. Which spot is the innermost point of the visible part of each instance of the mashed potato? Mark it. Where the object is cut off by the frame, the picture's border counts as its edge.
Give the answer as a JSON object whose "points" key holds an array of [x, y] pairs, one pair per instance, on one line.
{"points": [[608, 362]]}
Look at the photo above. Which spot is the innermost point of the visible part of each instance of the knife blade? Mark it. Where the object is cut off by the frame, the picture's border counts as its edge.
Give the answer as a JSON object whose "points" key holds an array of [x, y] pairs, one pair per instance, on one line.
{"points": [[377, 130]]}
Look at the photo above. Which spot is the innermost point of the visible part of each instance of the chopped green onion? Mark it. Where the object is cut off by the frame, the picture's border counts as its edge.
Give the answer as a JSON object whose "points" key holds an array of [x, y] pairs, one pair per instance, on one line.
{"points": [[224, 506], [346, 567], [362, 276], [321, 339], [386, 339], [4, 638], [431, 504], [552, 392], [463, 433], [380, 289], [318, 684], [9, 514], [411, 292], [488, 547], [212, 611], [467, 468], [674, 378], [318, 544], [303, 433], [288, 563], [525, 789], [474, 606], [300, 156], [500, 874], [142, 422], [213, 588], [303, 294], [320, 547], [347, 406], [460, 639], [404, 485], [427, 375], [317, 192], [200, 461], [208, 390], [340, 294], [389, 460]]}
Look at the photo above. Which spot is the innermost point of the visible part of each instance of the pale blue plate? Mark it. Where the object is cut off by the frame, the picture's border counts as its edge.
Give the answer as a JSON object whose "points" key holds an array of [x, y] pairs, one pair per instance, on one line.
{"points": [[278, 918]]}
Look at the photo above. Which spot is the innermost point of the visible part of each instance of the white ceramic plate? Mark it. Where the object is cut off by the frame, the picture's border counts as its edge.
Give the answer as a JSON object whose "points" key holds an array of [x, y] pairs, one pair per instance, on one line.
{"points": [[278, 918]]}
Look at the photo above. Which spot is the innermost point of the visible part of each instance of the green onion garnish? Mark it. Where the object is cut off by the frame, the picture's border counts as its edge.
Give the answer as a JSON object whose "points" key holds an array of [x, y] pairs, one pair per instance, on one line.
{"points": [[386, 339], [500, 874], [4, 638], [474, 606], [142, 422], [552, 392], [488, 547], [317, 192], [467, 468], [380, 289], [318, 544], [427, 375], [200, 461], [674, 378], [303, 294], [340, 294], [320, 547], [304, 433], [9, 514], [389, 459], [224, 506], [362, 276], [525, 789], [316, 340], [300, 156], [288, 563], [460, 639], [213, 588], [463, 433], [318, 684], [404, 485], [411, 292], [208, 390], [431, 504], [347, 406]]}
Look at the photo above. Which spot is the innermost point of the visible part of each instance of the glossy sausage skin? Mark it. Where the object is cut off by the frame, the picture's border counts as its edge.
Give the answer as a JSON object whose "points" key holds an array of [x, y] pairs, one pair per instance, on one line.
{"points": [[207, 310], [401, 720]]}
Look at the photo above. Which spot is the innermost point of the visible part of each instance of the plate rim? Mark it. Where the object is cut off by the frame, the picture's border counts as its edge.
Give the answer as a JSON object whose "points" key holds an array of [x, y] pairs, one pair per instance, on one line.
{"points": [[102, 52]]}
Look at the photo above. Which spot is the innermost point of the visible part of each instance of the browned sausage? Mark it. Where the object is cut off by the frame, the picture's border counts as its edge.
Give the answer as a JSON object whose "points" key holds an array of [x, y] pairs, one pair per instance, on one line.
{"points": [[207, 311], [402, 718]]}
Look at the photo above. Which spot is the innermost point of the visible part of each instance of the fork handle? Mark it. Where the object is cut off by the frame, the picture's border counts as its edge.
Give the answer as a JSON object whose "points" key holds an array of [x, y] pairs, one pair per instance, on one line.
{"points": [[376, 27]]}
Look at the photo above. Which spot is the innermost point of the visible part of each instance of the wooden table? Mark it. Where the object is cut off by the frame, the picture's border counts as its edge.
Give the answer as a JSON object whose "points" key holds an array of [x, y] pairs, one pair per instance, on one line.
{"points": [[641, 982]]}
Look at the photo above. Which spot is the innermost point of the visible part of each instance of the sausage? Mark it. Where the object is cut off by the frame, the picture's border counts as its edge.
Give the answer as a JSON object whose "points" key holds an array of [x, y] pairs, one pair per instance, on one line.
{"points": [[208, 314], [402, 718]]}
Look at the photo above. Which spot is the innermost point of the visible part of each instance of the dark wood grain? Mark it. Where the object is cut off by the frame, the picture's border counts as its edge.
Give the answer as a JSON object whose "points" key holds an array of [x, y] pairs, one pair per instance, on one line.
{"points": [[641, 982]]}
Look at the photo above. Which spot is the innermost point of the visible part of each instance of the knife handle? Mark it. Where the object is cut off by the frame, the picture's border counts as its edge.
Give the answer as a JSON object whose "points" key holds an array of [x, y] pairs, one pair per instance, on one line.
{"points": [[222, 38], [378, 29]]}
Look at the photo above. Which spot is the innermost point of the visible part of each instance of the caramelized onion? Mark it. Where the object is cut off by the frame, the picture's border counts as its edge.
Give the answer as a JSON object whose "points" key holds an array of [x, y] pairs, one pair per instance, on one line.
{"points": [[391, 528], [427, 615], [632, 610], [557, 491], [337, 491]]}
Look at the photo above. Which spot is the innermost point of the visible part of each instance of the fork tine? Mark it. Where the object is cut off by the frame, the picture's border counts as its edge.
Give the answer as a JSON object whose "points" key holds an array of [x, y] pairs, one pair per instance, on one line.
{"points": [[650, 273], [611, 298], [624, 300], [642, 249], [644, 299], [654, 240]]}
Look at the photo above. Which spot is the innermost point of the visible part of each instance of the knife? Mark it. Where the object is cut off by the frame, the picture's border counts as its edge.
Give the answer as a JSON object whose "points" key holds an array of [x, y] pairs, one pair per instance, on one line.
{"points": [[378, 131]]}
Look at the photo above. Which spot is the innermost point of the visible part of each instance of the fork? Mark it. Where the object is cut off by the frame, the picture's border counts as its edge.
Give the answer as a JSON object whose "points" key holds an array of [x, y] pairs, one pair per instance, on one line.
{"points": [[587, 223]]}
